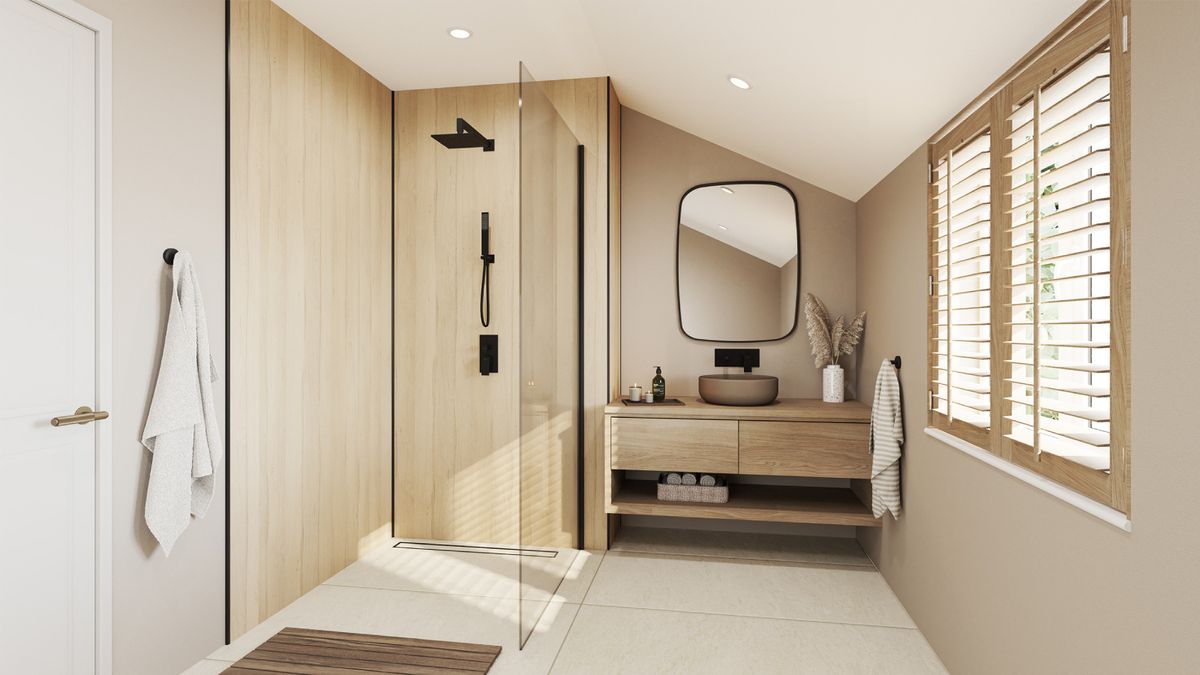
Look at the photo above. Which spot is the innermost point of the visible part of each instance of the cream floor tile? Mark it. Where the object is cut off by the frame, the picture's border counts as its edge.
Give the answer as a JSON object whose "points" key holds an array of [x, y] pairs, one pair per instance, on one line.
{"points": [[744, 545], [433, 616], [208, 667], [747, 588], [466, 573], [613, 640], [567, 577]]}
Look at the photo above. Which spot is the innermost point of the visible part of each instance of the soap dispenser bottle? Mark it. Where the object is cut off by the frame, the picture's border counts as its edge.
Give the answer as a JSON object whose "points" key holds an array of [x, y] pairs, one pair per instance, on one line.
{"points": [[659, 386]]}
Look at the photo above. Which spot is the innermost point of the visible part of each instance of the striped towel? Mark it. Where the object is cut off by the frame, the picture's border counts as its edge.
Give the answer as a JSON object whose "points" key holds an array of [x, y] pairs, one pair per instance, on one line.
{"points": [[887, 437]]}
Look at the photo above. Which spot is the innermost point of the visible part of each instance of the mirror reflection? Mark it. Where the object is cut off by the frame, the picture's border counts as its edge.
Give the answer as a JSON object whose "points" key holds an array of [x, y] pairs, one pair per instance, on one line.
{"points": [[738, 266]]}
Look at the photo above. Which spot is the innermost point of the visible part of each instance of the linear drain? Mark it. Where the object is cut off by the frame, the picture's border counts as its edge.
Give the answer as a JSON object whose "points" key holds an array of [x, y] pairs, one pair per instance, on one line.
{"points": [[477, 548]]}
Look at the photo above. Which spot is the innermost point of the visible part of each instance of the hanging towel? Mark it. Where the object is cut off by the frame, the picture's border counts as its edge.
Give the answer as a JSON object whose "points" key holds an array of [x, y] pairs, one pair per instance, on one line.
{"points": [[181, 429], [887, 438]]}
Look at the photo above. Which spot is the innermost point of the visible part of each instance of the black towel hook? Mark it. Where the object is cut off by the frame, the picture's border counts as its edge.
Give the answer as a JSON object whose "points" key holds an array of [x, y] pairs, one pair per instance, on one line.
{"points": [[895, 361], [169, 255]]}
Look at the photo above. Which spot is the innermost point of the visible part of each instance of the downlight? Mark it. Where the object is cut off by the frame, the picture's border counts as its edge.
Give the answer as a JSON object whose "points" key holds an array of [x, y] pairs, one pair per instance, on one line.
{"points": [[738, 82]]}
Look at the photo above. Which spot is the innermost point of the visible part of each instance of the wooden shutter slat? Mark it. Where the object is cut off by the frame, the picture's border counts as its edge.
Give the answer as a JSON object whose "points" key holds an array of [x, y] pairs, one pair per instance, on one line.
{"points": [[1060, 301], [1066, 365], [1086, 139]]}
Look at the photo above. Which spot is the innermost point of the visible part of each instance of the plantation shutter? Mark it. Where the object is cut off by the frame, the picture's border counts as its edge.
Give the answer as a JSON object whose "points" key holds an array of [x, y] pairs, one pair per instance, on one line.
{"points": [[961, 287], [1058, 253], [1029, 347]]}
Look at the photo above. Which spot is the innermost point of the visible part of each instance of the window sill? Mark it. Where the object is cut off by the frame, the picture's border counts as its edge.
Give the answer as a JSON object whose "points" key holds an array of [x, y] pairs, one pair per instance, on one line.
{"points": [[1090, 506]]}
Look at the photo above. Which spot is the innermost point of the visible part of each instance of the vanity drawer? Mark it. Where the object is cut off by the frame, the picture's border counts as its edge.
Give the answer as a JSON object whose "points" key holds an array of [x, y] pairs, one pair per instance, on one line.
{"points": [[826, 449], [649, 444]]}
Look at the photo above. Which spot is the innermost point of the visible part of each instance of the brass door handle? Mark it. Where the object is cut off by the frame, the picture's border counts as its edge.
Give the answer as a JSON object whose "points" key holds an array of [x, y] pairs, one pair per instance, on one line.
{"points": [[82, 416]]}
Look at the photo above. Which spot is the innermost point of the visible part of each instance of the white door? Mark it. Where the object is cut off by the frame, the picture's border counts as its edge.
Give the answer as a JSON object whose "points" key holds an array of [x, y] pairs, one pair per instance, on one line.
{"points": [[48, 338]]}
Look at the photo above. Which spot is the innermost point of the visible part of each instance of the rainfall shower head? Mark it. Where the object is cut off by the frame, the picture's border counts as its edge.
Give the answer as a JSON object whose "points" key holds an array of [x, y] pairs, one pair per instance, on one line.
{"points": [[465, 137]]}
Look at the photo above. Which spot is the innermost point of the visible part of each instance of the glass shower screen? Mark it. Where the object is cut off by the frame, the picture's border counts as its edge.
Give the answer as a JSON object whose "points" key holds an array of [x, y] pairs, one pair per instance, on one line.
{"points": [[550, 352]]}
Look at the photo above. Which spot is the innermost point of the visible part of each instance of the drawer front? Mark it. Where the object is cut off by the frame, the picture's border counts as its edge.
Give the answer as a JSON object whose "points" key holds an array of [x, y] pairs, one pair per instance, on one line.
{"points": [[815, 449], [644, 444]]}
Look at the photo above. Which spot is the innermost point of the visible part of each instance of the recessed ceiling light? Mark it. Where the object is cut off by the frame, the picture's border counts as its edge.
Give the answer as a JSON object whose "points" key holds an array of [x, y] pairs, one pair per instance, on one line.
{"points": [[738, 82], [459, 33], [728, 190], [723, 227]]}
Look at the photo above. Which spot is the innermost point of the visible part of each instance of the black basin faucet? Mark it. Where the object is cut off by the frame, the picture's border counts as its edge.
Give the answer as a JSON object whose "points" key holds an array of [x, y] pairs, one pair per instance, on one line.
{"points": [[746, 359]]}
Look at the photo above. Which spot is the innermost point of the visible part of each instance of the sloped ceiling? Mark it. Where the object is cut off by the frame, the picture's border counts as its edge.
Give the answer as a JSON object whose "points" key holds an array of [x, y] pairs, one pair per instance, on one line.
{"points": [[841, 91]]}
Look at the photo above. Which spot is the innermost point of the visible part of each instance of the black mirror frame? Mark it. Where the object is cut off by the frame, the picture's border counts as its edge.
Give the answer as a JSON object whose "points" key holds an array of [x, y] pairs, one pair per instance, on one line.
{"points": [[799, 266]]}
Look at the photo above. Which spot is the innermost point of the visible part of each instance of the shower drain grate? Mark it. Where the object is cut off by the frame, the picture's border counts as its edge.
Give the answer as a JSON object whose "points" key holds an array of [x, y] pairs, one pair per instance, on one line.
{"points": [[478, 548]]}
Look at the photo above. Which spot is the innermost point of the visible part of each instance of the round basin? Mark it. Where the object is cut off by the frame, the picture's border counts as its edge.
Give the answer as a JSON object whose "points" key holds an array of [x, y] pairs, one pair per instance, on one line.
{"points": [[739, 389]]}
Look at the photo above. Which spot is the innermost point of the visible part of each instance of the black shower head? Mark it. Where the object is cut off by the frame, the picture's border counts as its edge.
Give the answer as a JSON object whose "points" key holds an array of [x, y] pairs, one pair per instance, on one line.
{"points": [[465, 137]]}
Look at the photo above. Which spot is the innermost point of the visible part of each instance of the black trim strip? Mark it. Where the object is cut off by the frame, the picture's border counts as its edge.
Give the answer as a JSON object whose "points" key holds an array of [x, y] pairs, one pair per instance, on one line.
{"points": [[392, 317], [608, 242], [228, 607], [579, 417]]}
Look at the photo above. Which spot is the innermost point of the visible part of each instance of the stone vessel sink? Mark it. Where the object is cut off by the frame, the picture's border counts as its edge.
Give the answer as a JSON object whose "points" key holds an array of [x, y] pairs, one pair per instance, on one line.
{"points": [[739, 389]]}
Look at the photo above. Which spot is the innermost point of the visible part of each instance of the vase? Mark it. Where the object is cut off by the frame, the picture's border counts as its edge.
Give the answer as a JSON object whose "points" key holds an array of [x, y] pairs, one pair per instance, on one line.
{"points": [[834, 380]]}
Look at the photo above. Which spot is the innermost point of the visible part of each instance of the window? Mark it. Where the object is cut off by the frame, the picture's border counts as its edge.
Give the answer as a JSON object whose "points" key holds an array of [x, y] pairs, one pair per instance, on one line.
{"points": [[961, 286], [1029, 336]]}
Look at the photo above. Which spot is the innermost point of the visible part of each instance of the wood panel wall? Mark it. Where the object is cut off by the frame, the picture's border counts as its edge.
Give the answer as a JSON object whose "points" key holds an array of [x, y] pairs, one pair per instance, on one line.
{"points": [[457, 433], [310, 304], [600, 530], [586, 106]]}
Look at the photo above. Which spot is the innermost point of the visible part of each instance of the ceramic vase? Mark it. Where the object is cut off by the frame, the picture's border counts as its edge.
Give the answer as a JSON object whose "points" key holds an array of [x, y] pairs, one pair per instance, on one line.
{"points": [[834, 380]]}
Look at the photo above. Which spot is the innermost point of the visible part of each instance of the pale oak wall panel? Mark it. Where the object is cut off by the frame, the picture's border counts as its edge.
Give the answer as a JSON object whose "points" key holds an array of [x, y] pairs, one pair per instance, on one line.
{"points": [[310, 305], [457, 433], [585, 106]]}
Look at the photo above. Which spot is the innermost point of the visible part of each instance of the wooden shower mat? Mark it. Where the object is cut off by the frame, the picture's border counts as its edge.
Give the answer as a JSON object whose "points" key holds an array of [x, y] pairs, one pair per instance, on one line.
{"points": [[322, 652]]}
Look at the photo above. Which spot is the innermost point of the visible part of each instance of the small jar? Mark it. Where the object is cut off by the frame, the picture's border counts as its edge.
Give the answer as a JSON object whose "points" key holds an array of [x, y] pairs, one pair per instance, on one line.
{"points": [[635, 393]]}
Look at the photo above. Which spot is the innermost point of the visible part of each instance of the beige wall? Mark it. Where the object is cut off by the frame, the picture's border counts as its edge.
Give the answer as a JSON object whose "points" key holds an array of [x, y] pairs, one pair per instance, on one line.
{"points": [[659, 164], [168, 191], [1000, 577], [726, 291]]}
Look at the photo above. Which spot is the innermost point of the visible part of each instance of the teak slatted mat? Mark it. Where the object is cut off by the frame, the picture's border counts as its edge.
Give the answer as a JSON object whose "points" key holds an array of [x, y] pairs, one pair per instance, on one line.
{"points": [[322, 652]]}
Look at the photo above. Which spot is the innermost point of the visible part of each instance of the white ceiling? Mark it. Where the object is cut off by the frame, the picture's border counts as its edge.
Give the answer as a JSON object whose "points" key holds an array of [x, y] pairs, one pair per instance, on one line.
{"points": [[842, 91], [757, 219]]}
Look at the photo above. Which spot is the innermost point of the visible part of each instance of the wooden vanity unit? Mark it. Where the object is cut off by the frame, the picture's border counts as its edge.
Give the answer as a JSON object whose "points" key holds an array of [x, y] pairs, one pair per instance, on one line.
{"points": [[804, 438]]}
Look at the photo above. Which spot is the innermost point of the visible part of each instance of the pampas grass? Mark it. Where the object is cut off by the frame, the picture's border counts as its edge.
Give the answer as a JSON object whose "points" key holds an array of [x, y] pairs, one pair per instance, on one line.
{"points": [[830, 341], [817, 318]]}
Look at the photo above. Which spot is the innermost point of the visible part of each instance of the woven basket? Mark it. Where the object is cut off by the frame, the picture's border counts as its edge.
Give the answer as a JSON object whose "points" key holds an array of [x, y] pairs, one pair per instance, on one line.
{"points": [[707, 494]]}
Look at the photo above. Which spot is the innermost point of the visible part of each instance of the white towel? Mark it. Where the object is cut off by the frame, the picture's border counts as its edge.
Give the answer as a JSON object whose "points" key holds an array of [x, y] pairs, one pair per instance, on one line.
{"points": [[887, 438], [181, 429]]}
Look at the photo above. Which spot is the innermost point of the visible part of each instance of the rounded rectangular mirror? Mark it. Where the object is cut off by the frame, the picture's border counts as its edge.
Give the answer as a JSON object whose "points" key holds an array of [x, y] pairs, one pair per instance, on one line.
{"points": [[738, 262]]}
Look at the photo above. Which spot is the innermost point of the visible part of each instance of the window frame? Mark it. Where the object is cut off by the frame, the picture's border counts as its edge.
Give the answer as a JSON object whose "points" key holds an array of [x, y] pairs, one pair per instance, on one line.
{"points": [[980, 122], [1079, 37]]}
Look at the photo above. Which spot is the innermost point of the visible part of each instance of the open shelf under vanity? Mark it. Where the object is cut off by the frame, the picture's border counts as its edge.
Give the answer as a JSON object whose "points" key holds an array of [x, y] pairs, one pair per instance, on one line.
{"points": [[768, 503], [800, 439]]}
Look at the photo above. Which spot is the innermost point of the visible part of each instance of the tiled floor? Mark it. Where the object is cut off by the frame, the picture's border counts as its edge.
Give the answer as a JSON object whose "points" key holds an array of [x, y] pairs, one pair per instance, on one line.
{"points": [[661, 601]]}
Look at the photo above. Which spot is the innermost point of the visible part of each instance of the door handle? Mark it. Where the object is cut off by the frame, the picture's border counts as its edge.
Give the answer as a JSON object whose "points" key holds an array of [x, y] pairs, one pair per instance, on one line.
{"points": [[82, 416]]}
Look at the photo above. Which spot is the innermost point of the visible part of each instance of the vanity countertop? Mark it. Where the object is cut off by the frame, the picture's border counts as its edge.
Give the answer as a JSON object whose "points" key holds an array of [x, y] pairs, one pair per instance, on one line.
{"points": [[784, 409]]}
